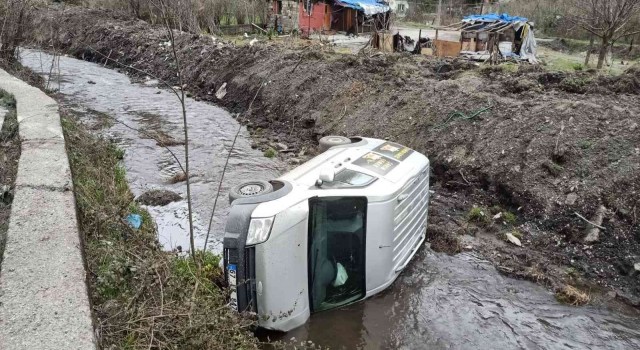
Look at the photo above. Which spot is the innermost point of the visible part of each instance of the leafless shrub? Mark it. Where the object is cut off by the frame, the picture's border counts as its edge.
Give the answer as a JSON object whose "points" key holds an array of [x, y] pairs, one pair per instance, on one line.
{"points": [[608, 20], [14, 16], [192, 15]]}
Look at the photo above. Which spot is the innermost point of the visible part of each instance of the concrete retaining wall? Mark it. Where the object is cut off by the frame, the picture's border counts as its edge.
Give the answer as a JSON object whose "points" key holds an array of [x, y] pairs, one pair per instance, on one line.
{"points": [[43, 294]]}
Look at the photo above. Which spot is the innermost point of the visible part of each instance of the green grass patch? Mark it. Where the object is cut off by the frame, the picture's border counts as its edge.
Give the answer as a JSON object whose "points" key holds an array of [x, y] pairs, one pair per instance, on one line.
{"points": [[270, 153], [509, 67], [585, 144], [509, 218], [553, 168], [142, 296], [479, 215]]}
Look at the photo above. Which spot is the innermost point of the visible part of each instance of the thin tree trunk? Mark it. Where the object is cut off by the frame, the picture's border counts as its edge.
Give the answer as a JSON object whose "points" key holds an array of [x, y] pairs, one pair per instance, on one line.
{"points": [[604, 48], [586, 61]]}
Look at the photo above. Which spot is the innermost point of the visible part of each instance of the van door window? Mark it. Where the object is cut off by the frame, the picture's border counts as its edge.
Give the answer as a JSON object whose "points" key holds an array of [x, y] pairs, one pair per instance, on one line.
{"points": [[336, 251]]}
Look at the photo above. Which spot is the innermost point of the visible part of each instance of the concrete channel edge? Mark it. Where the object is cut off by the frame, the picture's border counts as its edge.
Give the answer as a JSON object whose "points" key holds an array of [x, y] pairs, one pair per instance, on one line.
{"points": [[43, 293]]}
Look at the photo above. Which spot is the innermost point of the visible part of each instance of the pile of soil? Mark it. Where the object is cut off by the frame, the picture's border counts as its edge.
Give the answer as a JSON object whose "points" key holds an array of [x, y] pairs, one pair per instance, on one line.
{"points": [[543, 146]]}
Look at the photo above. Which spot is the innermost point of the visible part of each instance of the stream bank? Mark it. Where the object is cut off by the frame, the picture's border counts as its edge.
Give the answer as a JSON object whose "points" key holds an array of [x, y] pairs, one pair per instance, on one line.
{"points": [[547, 146], [481, 306]]}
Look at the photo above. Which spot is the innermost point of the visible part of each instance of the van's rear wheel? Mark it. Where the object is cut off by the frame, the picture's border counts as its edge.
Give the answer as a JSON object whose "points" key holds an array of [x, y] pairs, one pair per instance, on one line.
{"points": [[332, 141], [250, 189]]}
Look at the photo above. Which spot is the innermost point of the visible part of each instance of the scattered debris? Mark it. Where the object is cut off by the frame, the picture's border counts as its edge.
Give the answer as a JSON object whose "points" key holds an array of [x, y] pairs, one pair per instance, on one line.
{"points": [[134, 221], [253, 41], [222, 91], [490, 37], [513, 239]]}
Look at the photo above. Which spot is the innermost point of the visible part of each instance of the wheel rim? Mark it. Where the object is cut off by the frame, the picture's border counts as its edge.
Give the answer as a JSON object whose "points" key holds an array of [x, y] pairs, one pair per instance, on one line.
{"points": [[251, 189]]}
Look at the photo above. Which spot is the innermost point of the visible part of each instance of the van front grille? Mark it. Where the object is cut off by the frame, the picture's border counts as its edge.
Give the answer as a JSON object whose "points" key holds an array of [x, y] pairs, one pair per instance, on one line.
{"points": [[410, 217], [250, 278], [245, 277]]}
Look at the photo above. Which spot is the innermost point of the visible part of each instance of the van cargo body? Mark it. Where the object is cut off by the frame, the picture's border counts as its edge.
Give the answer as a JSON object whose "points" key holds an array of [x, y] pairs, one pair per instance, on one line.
{"points": [[333, 231]]}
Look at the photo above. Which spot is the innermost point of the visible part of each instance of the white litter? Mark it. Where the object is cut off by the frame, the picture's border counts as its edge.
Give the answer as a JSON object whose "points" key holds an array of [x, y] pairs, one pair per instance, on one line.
{"points": [[222, 91], [513, 239]]}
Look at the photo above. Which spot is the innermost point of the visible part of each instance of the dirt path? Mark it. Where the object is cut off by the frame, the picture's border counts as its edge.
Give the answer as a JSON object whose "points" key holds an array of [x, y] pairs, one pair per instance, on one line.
{"points": [[546, 150]]}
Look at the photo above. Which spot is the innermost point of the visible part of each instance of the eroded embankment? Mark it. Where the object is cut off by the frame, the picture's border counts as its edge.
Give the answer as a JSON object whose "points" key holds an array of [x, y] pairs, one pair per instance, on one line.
{"points": [[514, 140]]}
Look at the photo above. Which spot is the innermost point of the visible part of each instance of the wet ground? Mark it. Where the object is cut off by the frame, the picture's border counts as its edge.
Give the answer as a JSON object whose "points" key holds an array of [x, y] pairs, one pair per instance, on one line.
{"points": [[100, 94], [440, 301]]}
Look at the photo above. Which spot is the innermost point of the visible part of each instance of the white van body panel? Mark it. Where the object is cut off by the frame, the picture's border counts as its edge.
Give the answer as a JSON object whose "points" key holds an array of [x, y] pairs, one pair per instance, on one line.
{"points": [[396, 219], [282, 293]]}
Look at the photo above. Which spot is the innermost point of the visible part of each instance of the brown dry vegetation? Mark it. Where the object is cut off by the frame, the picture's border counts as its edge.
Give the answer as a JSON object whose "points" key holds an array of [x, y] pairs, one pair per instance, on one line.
{"points": [[192, 15], [573, 296], [141, 296], [543, 135], [9, 155]]}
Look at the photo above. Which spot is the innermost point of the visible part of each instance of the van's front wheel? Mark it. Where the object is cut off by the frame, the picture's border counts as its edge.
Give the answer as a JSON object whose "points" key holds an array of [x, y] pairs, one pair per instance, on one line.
{"points": [[250, 189], [332, 141]]}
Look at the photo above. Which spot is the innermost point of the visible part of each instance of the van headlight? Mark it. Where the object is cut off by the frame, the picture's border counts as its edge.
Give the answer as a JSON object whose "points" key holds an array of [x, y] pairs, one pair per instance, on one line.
{"points": [[259, 230]]}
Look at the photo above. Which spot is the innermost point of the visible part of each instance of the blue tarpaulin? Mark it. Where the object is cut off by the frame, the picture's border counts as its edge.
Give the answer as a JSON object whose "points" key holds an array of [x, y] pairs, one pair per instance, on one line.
{"points": [[369, 7], [494, 17]]}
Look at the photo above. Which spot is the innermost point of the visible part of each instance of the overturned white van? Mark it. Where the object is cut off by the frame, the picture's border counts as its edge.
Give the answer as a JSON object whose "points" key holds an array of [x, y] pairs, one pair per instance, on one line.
{"points": [[335, 230]]}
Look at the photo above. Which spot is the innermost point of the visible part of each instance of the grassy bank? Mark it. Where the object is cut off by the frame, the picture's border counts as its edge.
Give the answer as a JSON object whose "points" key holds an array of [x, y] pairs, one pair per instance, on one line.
{"points": [[9, 155], [142, 297]]}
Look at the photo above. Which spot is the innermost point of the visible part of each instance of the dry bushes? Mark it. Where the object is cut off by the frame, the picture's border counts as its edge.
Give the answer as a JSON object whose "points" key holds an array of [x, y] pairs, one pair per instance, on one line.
{"points": [[14, 17], [572, 296], [193, 15]]}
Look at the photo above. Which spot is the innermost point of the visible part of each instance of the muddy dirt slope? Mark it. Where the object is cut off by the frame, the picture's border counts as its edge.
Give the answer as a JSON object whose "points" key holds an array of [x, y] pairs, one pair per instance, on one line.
{"points": [[555, 150]]}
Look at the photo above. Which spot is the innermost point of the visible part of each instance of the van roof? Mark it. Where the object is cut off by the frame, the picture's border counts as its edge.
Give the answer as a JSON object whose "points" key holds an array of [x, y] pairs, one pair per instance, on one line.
{"points": [[378, 158], [389, 165]]}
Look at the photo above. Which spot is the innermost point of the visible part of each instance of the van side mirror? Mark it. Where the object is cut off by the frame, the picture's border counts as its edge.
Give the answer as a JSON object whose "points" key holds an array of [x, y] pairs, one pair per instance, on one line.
{"points": [[327, 174]]}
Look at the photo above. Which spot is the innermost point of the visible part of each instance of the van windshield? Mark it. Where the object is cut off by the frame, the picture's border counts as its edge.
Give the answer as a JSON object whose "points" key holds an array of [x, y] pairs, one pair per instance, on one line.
{"points": [[336, 251]]}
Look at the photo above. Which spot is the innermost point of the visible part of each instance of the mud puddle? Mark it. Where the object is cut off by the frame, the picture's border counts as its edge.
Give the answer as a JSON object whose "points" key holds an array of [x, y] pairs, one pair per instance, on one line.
{"points": [[440, 301], [99, 94]]}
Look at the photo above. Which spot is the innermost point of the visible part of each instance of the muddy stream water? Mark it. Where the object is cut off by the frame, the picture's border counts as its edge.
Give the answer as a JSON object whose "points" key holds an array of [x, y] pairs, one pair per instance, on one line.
{"points": [[439, 302]]}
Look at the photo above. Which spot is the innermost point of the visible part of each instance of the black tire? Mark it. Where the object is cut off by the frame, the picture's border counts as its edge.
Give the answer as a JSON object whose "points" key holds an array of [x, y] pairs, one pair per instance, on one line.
{"points": [[332, 141], [250, 189]]}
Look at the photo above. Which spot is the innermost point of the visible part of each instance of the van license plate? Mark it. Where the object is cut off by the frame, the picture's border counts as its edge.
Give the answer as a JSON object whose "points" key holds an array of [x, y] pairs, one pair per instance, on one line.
{"points": [[233, 299]]}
